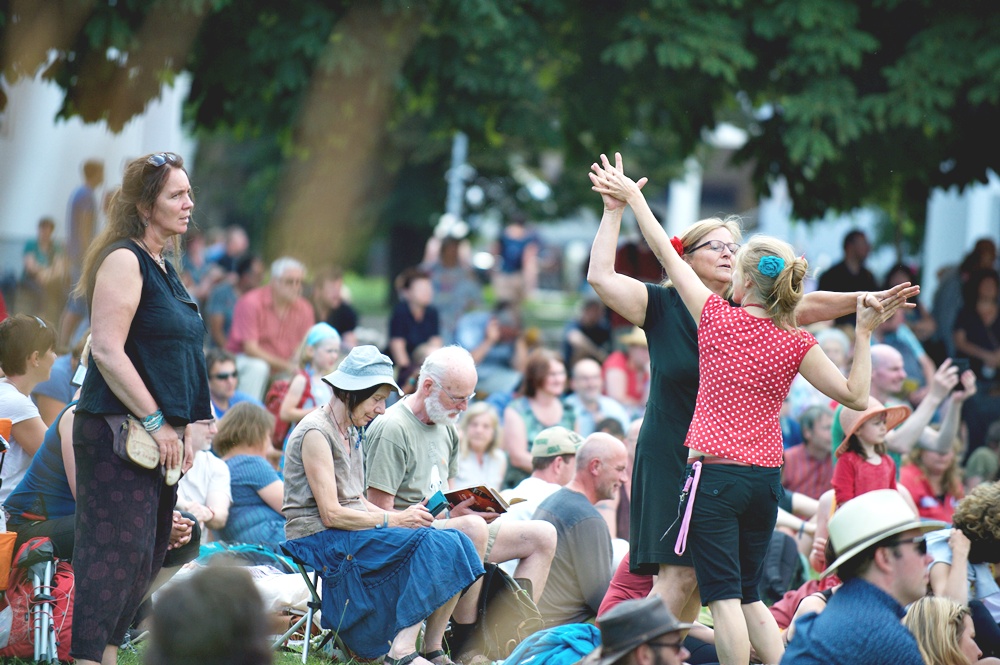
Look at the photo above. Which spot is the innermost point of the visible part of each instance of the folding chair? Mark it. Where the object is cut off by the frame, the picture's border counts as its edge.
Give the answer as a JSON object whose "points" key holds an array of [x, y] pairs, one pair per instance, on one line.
{"points": [[305, 622]]}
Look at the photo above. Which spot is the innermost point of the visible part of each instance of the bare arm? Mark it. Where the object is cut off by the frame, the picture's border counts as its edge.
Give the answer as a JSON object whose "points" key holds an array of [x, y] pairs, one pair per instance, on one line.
{"points": [[29, 434], [490, 337], [218, 502], [967, 348], [828, 305], [903, 438], [397, 349], [216, 328], [515, 440], [252, 348], [381, 499], [117, 291], [48, 408], [622, 293], [820, 371], [290, 411], [273, 495], [611, 180], [529, 267], [616, 386], [66, 446], [951, 580]]}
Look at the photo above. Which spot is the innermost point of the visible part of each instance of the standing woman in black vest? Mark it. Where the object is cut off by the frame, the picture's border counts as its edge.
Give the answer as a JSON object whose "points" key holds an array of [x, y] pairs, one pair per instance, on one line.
{"points": [[147, 361]]}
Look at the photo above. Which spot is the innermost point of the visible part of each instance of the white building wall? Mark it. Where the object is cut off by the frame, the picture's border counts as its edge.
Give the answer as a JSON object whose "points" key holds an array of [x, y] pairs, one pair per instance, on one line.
{"points": [[41, 157]]}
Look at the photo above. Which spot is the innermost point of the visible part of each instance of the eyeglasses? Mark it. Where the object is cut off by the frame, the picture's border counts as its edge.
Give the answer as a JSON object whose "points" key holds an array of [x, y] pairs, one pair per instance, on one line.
{"points": [[920, 541], [716, 246], [161, 158], [670, 645], [455, 400], [225, 376]]}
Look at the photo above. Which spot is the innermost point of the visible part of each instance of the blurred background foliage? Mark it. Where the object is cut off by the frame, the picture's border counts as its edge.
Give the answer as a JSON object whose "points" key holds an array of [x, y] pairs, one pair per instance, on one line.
{"points": [[325, 123]]}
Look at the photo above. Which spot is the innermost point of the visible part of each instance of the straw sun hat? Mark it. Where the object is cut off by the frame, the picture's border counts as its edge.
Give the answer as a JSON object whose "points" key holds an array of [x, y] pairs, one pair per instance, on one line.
{"points": [[851, 420]]}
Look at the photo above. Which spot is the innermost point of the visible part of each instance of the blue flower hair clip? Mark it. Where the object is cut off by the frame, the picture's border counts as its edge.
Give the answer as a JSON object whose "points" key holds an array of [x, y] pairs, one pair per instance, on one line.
{"points": [[770, 266]]}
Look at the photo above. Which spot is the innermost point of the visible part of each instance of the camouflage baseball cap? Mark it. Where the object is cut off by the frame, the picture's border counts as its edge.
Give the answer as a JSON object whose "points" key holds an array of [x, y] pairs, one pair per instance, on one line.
{"points": [[556, 441]]}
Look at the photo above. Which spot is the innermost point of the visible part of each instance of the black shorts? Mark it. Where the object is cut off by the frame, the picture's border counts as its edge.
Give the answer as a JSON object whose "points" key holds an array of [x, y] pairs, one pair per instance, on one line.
{"points": [[735, 508]]}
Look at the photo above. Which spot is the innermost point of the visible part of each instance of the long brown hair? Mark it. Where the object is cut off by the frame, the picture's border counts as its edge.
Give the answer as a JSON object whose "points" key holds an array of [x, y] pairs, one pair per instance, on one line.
{"points": [[142, 182]]}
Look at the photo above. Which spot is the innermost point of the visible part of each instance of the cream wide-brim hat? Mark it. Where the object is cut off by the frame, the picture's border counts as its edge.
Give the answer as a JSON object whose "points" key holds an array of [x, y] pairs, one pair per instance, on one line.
{"points": [[868, 519]]}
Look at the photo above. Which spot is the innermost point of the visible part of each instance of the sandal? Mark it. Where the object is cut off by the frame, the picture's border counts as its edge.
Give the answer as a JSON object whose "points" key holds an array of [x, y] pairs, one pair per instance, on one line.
{"points": [[434, 655], [405, 660]]}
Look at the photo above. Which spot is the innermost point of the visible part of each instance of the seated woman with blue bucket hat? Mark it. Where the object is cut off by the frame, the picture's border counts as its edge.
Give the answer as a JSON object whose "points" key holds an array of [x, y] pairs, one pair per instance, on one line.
{"points": [[384, 573]]}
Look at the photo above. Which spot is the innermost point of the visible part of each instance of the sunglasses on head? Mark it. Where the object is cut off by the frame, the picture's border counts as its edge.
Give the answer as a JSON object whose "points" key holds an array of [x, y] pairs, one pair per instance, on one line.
{"points": [[161, 158]]}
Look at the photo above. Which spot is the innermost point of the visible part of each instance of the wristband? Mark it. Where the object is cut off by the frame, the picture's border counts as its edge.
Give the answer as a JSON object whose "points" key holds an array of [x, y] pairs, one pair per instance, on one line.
{"points": [[385, 521], [153, 421]]}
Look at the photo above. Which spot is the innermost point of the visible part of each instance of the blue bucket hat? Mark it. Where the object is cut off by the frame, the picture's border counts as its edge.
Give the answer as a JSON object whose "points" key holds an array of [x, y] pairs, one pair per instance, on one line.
{"points": [[363, 367]]}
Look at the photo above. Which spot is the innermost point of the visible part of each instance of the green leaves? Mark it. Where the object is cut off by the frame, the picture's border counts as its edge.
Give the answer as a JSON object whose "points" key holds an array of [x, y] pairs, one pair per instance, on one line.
{"points": [[840, 97]]}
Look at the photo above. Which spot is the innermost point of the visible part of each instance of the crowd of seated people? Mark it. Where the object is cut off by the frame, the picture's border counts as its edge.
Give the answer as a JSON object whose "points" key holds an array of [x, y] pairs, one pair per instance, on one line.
{"points": [[529, 443]]}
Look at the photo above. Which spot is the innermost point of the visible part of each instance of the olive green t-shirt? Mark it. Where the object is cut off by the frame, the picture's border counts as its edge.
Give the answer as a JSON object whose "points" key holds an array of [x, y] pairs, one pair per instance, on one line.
{"points": [[408, 458]]}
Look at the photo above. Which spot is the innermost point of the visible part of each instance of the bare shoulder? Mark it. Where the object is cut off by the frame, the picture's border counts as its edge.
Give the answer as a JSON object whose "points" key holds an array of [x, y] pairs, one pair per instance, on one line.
{"points": [[120, 262]]}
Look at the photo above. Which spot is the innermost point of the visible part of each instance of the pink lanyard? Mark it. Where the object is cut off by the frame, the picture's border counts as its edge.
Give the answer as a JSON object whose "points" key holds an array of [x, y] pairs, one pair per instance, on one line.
{"points": [[690, 489]]}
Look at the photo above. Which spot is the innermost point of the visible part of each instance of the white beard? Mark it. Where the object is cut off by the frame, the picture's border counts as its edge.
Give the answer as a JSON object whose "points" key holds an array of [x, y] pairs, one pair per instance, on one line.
{"points": [[436, 411]]}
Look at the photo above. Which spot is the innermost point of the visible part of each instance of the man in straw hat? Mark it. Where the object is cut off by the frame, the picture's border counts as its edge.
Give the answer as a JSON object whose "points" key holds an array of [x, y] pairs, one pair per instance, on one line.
{"points": [[639, 632], [882, 560]]}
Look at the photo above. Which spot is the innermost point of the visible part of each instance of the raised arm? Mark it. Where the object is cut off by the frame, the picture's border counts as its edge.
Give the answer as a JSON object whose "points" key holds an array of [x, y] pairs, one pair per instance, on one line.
{"points": [[820, 371], [829, 305], [611, 180], [622, 293], [902, 439]]}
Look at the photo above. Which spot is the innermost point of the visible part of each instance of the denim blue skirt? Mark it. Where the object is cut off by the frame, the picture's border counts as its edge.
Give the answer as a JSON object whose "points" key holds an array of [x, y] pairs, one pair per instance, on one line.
{"points": [[378, 581]]}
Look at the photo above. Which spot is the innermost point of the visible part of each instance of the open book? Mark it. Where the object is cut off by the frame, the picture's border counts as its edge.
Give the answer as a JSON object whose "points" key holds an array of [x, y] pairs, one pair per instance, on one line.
{"points": [[488, 500]]}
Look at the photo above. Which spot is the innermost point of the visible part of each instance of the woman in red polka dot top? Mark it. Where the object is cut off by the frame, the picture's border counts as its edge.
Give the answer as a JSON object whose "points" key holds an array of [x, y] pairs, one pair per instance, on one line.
{"points": [[748, 356]]}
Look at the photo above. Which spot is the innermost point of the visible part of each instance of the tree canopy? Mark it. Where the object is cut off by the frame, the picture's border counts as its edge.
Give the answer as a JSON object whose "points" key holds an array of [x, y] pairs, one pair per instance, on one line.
{"points": [[853, 102]]}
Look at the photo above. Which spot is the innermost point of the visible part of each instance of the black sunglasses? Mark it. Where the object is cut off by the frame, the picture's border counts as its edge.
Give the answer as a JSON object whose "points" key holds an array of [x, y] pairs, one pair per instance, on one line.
{"points": [[161, 158], [919, 541], [224, 376]]}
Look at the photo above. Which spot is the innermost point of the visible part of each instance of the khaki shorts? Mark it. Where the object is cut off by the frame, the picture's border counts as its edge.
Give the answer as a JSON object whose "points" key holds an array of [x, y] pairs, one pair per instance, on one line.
{"points": [[493, 528]]}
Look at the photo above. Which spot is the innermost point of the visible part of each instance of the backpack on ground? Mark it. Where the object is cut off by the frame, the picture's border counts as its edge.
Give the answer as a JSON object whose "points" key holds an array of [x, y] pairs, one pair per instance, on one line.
{"points": [[272, 402], [53, 601], [506, 615]]}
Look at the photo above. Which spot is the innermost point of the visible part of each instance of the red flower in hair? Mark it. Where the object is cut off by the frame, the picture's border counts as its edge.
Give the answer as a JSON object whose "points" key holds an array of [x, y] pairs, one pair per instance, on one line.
{"points": [[678, 245]]}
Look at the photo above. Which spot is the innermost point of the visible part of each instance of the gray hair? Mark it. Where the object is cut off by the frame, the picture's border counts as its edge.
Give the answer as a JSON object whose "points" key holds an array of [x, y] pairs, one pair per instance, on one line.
{"points": [[812, 415], [834, 335], [446, 359], [284, 264]]}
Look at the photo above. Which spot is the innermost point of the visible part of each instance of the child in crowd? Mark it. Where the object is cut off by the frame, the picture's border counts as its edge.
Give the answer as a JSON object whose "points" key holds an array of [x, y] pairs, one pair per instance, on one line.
{"points": [[317, 357], [862, 462], [481, 461]]}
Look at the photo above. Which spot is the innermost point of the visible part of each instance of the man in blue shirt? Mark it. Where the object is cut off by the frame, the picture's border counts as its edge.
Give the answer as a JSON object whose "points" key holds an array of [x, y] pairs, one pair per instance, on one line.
{"points": [[222, 382], [882, 560]]}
